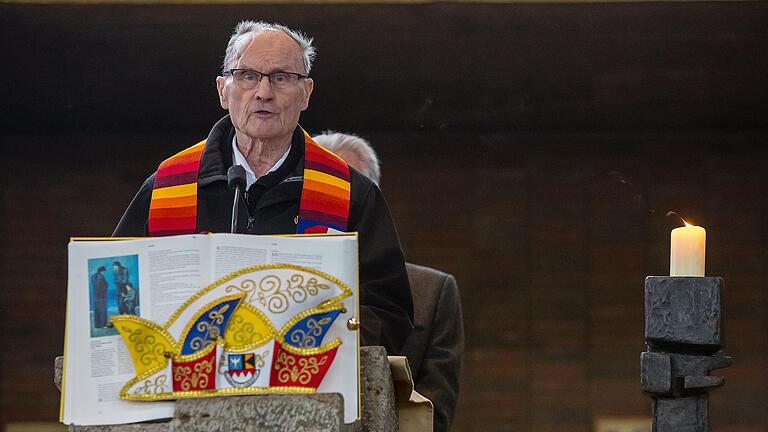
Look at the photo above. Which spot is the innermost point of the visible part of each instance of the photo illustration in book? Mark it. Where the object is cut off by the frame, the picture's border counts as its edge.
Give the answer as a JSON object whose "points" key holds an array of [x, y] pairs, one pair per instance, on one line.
{"points": [[114, 290], [270, 328]]}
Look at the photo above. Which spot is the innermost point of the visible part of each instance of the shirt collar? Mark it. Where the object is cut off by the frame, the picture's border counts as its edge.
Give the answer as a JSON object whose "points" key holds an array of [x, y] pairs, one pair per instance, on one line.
{"points": [[250, 176]]}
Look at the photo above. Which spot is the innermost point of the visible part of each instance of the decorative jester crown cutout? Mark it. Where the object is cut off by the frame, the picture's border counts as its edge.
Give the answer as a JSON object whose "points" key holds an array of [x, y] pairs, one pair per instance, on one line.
{"points": [[258, 330]]}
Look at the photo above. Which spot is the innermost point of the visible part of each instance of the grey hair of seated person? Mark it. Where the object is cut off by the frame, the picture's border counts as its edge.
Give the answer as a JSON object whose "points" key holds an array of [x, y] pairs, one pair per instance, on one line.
{"points": [[356, 151], [245, 28]]}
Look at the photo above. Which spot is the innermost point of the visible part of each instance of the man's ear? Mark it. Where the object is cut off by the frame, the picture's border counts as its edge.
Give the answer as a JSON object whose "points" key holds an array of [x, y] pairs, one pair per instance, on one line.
{"points": [[309, 85], [220, 81]]}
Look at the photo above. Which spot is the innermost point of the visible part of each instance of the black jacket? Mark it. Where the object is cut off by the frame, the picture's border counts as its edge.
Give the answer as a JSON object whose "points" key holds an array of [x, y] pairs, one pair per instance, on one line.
{"points": [[272, 206]]}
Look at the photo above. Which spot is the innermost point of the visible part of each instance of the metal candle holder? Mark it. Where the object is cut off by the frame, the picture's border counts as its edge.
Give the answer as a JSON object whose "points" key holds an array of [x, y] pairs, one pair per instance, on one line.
{"points": [[684, 339]]}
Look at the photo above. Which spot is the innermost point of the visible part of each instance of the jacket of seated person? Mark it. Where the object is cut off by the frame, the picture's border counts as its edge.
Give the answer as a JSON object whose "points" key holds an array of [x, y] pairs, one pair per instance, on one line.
{"points": [[436, 346]]}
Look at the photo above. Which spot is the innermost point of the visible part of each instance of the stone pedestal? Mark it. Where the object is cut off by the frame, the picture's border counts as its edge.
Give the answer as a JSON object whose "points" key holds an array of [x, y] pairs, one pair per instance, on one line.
{"points": [[136, 427], [377, 391], [315, 413], [273, 413]]}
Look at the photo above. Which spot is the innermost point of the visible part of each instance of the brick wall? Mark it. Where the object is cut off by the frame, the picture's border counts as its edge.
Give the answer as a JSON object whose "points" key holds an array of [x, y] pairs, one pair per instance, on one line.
{"points": [[531, 150], [549, 242]]}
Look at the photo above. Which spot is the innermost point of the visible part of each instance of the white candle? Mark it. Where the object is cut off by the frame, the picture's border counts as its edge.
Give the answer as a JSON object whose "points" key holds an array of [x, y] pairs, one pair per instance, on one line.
{"points": [[687, 250]]}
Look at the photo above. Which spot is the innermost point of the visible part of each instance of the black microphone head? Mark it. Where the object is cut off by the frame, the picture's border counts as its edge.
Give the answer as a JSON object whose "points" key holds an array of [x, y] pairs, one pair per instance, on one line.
{"points": [[236, 177]]}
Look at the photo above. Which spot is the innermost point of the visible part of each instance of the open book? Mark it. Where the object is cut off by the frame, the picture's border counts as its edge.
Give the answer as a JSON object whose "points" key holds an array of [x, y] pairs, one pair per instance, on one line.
{"points": [[134, 308]]}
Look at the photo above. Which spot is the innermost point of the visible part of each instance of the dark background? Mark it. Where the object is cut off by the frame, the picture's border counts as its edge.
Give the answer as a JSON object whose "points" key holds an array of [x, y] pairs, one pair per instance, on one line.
{"points": [[532, 150]]}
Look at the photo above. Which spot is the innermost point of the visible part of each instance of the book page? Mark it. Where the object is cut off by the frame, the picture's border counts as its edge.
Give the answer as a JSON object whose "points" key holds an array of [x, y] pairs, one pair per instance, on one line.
{"points": [[335, 255], [153, 278], [329, 254], [150, 278]]}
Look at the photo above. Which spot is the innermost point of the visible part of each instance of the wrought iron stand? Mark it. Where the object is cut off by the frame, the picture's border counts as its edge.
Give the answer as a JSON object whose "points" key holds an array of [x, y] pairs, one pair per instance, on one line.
{"points": [[684, 338]]}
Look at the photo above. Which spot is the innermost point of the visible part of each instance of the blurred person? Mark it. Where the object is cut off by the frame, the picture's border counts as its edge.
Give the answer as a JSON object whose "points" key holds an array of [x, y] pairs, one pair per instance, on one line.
{"points": [[435, 349]]}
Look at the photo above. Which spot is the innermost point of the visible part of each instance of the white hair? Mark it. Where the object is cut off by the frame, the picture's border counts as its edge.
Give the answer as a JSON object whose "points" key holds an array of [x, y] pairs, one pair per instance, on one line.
{"points": [[245, 28], [360, 147]]}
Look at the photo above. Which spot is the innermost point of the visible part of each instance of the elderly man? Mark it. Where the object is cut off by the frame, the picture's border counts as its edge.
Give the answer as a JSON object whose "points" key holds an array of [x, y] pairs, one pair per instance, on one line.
{"points": [[293, 185], [436, 347]]}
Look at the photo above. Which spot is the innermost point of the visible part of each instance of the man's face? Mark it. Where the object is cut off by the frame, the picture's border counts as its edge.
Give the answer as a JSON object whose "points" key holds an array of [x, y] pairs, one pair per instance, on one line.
{"points": [[262, 112], [115, 268]]}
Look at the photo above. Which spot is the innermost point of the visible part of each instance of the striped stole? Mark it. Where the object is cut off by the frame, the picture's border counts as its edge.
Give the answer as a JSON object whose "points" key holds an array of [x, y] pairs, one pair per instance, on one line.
{"points": [[173, 208], [325, 194]]}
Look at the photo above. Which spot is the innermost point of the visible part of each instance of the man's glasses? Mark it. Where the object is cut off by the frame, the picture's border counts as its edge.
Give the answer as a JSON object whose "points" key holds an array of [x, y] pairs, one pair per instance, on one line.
{"points": [[249, 78]]}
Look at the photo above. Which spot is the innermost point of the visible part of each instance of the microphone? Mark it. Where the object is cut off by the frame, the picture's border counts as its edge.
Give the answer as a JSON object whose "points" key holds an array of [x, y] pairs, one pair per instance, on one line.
{"points": [[236, 181]]}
